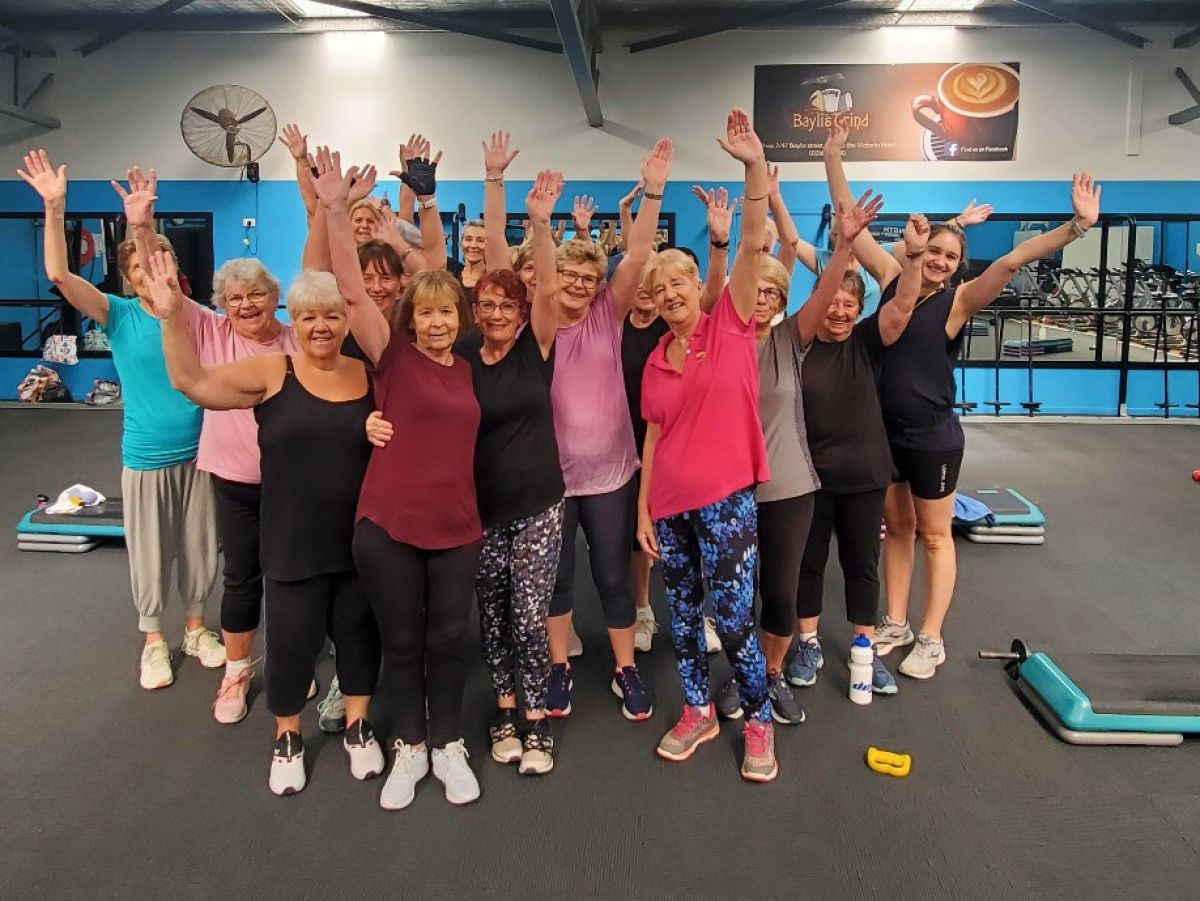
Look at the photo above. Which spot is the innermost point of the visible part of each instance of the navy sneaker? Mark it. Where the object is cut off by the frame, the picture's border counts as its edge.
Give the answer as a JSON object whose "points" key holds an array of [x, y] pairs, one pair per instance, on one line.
{"points": [[729, 701], [558, 691], [882, 681], [802, 668], [635, 700], [784, 706]]}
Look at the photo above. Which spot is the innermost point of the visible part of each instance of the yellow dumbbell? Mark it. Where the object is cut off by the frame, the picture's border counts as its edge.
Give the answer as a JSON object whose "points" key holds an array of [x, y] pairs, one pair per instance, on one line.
{"points": [[888, 763]]}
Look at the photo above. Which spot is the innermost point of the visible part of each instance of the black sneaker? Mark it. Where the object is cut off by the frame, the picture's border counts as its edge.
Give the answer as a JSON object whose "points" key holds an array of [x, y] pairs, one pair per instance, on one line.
{"points": [[506, 743], [784, 706], [558, 690], [635, 699], [537, 749], [729, 701]]}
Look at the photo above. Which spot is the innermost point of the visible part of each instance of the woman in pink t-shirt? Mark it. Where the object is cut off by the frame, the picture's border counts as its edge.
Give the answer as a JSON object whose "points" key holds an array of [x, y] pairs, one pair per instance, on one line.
{"points": [[703, 457]]}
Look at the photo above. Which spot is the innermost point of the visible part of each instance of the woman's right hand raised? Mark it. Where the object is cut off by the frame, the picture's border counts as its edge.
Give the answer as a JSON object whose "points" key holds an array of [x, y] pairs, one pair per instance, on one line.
{"points": [[331, 185], [379, 430], [163, 280], [39, 174], [496, 155], [543, 196], [853, 219], [741, 141]]}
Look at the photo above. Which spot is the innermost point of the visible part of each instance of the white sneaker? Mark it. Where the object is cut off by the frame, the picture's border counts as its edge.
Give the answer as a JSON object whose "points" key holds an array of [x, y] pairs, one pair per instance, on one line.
{"points": [[575, 646], [924, 659], [156, 665], [451, 768], [890, 635], [366, 757], [712, 640], [409, 767], [205, 645], [287, 765], [646, 627]]}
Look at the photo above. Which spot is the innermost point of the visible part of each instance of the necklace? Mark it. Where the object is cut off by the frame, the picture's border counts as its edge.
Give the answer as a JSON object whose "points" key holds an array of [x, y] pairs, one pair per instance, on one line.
{"points": [[926, 297]]}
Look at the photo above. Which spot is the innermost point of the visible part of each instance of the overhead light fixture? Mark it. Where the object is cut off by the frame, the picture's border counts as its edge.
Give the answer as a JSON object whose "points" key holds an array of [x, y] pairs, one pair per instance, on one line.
{"points": [[937, 6], [310, 9]]}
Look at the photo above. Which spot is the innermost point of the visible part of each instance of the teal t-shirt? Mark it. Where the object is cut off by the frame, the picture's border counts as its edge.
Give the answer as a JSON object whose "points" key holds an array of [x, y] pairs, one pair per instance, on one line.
{"points": [[162, 427]]}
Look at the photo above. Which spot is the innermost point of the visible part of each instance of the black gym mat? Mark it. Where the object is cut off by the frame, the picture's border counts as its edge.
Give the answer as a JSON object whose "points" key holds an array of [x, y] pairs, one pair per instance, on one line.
{"points": [[1141, 685], [110, 513], [999, 500]]}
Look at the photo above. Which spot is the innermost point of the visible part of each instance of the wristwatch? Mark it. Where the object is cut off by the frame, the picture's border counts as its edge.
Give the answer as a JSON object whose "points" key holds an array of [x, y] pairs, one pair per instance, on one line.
{"points": [[427, 204]]}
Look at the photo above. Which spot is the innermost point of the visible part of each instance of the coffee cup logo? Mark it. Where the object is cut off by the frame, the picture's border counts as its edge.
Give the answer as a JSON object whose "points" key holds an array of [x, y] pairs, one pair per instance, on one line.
{"points": [[975, 107], [831, 100]]}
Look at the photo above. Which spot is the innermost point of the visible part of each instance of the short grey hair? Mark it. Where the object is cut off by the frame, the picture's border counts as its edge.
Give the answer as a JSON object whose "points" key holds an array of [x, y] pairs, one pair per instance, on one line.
{"points": [[248, 271], [314, 291]]}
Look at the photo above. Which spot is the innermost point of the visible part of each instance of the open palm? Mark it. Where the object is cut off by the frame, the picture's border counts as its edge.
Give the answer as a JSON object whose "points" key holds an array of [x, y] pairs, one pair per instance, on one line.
{"points": [[40, 174], [496, 155], [740, 141], [1085, 199], [656, 167], [543, 196]]}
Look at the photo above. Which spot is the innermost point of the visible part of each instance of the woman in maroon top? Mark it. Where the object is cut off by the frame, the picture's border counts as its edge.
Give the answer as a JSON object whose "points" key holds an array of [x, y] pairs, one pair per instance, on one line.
{"points": [[417, 537]]}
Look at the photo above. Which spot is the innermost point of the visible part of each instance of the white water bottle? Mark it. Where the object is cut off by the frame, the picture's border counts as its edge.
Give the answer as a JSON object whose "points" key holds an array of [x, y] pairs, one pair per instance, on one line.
{"points": [[862, 655]]}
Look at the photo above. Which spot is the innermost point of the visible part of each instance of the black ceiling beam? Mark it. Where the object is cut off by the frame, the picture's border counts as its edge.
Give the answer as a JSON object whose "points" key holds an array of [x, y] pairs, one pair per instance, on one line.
{"points": [[581, 55], [444, 23], [743, 21], [1187, 39], [28, 45], [1077, 17], [24, 115], [136, 24]]}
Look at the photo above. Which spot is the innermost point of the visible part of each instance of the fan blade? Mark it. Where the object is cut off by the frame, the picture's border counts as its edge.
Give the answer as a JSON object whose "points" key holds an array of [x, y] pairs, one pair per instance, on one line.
{"points": [[205, 114], [230, 144], [249, 116]]}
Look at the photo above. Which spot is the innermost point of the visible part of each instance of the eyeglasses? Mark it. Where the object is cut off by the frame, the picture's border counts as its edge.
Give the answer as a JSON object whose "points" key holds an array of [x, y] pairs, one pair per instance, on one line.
{"points": [[488, 307], [236, 300], [571, 277], [774, 295]]}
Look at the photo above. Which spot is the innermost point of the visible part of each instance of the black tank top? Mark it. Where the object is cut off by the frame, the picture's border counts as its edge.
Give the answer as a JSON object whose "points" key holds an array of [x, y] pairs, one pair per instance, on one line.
{"points": [[314, 454], [917, 386]]}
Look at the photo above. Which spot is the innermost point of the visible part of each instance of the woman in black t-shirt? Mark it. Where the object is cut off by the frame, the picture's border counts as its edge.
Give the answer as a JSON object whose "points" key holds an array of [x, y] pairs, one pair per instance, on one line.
{"points": [[917, 395]]}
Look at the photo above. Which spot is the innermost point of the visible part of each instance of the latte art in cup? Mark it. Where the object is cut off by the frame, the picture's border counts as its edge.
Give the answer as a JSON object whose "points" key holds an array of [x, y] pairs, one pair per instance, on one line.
{"points": [[980, 89]]}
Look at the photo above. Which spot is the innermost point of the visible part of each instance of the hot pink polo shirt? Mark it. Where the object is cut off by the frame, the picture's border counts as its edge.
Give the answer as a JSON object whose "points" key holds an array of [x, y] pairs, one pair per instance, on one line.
{"points": [[229, 438], [710, 440]]}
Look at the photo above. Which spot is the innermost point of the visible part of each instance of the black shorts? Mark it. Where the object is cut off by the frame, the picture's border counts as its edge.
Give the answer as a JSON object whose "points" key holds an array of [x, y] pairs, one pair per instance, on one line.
{"points": [[931, 475]]}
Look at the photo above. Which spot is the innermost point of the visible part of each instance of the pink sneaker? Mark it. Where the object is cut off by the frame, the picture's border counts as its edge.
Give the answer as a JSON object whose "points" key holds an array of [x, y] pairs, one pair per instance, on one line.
{"points": [[230, 705], [758, 762], [696, 726]]}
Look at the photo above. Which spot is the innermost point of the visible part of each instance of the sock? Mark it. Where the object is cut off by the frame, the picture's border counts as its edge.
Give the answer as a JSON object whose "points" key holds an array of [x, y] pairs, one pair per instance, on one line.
{"points": [[233, 667], [808, 636]]}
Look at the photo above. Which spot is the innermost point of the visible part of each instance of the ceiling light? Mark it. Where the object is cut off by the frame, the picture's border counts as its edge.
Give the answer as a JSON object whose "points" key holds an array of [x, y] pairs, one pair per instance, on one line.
{"points": [[310, 9], [938, 6]]}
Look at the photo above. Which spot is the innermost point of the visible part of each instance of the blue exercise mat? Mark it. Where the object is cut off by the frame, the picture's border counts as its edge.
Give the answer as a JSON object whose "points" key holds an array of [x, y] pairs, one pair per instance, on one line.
{"points": [[1008, 507], [104, 521]]}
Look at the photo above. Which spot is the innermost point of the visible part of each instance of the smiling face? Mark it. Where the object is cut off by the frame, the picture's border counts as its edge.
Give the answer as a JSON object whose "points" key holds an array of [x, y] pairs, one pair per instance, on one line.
{"points": [[382, 287], [943, 256], [364, 222], [643, 301], [320, 331], [497, 315], [435, 322], [473, 243], [578, 284], [840, 317], [676, 294], [250, 307]]}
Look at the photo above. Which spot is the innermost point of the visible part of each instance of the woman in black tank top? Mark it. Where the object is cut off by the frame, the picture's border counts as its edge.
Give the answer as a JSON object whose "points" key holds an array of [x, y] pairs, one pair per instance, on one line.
{"points": [[917, 395], [311, 410]]}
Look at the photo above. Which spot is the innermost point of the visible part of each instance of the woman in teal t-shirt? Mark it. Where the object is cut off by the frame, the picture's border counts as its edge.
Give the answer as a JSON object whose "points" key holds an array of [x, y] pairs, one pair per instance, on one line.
{"points": [[168, 503]]}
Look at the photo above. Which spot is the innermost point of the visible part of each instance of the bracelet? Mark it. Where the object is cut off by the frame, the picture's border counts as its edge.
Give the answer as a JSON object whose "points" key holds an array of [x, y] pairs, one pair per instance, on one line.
{"points": [[720, 245], [1078, 230], [497, 178], [913, 255], [749, 199], [427, 204], [650, 195]]}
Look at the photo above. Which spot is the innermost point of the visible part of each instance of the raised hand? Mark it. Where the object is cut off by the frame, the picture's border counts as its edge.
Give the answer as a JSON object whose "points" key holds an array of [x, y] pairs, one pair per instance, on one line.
{"points": [[420, 172], [720, 215], [1085, 199], [331, 185], [839, 132], [296, 143], [916, 234], [163, 280], [581, 213], [379, 430], [362, 183], [496, 155], [39, 174], [973, 214], [740, 140], [773, 179], [853, 219], [629, 199], [543, 196], [656, 165], [139, 199]]}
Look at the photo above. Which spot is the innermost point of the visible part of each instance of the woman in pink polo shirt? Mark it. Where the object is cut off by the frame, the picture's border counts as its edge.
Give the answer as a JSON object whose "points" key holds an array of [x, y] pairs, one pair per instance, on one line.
{"points": [[703, 457]]}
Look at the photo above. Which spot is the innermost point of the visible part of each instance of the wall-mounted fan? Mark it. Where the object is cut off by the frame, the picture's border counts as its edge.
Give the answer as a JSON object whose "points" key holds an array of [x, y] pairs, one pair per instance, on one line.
{"points": [[228, 125]]}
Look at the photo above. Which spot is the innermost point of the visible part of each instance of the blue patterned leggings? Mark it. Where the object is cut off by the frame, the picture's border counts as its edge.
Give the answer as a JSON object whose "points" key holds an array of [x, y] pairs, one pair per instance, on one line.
{"points": [[717, 544]]}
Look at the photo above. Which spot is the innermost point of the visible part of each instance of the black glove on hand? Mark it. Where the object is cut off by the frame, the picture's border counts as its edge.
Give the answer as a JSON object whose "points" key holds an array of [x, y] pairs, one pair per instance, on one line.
{"points": [[420, 175]]}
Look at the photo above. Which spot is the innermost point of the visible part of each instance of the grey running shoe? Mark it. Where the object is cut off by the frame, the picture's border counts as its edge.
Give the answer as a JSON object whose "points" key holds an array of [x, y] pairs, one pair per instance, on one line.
{"points": [[925, 658], [890, 635], [784, 706], [331, 711], [758, 761], [729, 701], [696, 726]]}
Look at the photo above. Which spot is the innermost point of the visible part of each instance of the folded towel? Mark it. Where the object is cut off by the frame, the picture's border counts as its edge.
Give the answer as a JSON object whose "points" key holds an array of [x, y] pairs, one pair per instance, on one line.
{"points": [[75, 498]]}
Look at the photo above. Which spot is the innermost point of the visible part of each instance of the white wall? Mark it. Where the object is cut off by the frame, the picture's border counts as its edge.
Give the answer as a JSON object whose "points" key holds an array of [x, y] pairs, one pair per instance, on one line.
{"points": [[365, 92]]}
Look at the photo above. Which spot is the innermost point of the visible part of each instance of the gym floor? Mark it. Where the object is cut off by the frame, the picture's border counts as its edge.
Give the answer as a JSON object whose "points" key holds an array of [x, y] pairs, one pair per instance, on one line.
{"points": [[114, 792]]}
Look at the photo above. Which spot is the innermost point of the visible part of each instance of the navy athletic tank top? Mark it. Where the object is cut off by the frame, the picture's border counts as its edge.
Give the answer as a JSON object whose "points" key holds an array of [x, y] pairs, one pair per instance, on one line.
{"points": [[314, 454]]}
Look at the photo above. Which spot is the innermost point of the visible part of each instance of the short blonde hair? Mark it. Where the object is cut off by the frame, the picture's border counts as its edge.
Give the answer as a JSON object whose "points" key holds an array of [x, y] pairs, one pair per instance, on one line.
{"points": [[774, 272], [371, 205], [671, 262], [581, 252], [314, 291], [430, 285], [248, 271]]}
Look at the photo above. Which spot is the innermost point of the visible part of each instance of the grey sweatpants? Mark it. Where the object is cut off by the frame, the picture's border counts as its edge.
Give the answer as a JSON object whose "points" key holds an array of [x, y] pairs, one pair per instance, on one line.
{"points": [[169, 519]]}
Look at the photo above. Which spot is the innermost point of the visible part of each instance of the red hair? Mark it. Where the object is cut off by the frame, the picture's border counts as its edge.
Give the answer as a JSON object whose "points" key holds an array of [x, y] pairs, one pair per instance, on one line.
{"points": [[504, 279]]}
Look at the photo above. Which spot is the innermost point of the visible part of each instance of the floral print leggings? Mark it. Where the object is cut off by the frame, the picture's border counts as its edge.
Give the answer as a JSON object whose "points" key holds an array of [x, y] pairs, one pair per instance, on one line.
{"points": [[514, 583], [717, 544]]}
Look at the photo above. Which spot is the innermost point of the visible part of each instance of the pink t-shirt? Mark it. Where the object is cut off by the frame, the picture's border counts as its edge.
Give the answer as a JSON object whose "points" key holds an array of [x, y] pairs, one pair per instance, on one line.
{"points": [[710, 442], [229, 438], [591, 414]]}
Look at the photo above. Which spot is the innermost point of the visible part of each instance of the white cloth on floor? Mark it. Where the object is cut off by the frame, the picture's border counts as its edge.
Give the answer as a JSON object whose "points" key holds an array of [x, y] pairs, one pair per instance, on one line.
{"points": [[75, 498]]}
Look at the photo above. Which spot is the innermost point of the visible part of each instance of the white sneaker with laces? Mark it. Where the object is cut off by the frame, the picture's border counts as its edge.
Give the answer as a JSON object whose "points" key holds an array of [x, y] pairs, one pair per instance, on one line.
{"points": [[926, 656], [644, 633], [366, 757], [575, 646], [451, 768], [156, 669], [205, 645], [287, 765], [711, 639], [409, 766]]}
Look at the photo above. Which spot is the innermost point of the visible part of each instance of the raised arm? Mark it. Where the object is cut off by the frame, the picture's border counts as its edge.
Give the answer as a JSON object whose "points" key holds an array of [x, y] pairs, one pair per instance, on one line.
{"points": [[406, 199], [719, 218], [539, 204], [421, 176], [297, 145], [743, 144], [895, 316], [789, 238], [851, 221], [639, 242], [316, 245], [235, 386], [51, 185], [367, 323], [496, 157], [138, 202], [625, 213], [881, 264], [582, 212], [976, 294], [973, 214]]}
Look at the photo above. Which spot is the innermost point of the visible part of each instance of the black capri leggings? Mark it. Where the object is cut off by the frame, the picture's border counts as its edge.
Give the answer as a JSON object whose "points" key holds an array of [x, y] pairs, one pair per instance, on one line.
{"points": [[856, 519], [422, 602], [608, 522], [237, 529], [782, 533], [299, 616]]}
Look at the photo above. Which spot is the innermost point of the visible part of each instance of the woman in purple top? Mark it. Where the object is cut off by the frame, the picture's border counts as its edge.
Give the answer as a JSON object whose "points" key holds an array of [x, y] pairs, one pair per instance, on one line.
{"points": [[595, 437]]}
